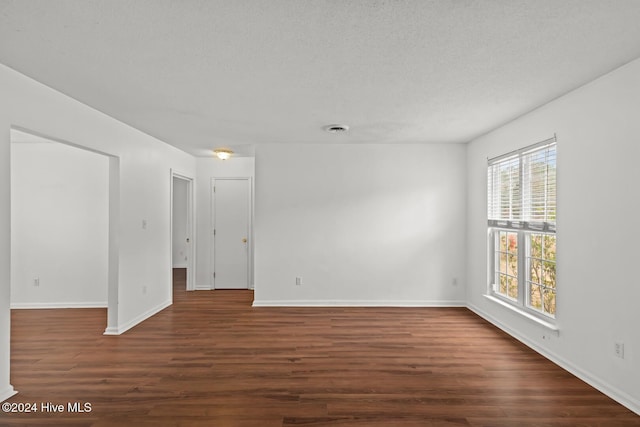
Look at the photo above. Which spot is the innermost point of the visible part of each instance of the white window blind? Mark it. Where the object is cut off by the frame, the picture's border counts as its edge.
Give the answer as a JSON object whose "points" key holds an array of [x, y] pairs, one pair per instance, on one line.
{"points": [[522, 188]]}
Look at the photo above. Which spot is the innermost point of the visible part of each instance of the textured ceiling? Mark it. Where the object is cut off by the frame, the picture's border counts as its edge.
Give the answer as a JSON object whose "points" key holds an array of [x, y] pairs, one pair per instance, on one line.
{"points": [[200, 74]]}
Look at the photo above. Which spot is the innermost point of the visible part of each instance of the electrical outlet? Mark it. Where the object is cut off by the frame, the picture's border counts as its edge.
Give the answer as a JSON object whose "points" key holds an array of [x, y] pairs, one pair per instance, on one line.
{"points": [[618, 349], [454, 281], [298, 281], [144, 290], [144, 224], [36, 281]]}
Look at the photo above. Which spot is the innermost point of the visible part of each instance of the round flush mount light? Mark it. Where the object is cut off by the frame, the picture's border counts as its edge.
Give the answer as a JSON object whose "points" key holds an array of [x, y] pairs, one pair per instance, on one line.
{"points": [[336, 128], [223, 153]]}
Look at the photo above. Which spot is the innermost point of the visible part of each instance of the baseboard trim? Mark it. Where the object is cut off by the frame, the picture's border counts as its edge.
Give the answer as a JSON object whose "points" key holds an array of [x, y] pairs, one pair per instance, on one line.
{"points": [[47, 305], [111, 330], [121, 329], [356, 303], [7, 393], [619, 396]]}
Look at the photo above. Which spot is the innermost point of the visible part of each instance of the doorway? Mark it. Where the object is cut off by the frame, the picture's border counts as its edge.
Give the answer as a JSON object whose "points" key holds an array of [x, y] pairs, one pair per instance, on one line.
{"points": [[231, 233], [65, 215], [182, 234]]}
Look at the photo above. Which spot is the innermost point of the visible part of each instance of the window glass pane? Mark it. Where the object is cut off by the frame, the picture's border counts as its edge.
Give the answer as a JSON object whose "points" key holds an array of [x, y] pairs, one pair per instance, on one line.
{"points": [[503, 284], [550, 247], [551, 185], [550, 302], [505, 201], [513, 287], [535, 296], [512, 258], [542, 272], [539, 180], [512, 265], [536, 245], [503, 262], [549, 274], [536, 270], [503, 241], [523, 186], [512, 239]]}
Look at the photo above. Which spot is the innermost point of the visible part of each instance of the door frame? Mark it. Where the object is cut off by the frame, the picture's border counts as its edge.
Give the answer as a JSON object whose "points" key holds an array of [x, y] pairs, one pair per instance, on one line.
{"points": [[113, 251], [212, 223], [191, 248]]}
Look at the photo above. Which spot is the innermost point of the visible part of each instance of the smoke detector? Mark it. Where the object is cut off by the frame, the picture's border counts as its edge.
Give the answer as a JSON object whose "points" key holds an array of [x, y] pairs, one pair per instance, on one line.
{"points": [[336, 128]]}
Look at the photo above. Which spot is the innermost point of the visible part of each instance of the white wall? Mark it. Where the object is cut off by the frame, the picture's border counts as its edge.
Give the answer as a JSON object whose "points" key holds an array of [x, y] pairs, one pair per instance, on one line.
{"points": [[59, 226], [180, 220], [598, 130], [6, 390], [208, 168], [144, 257], [361, 224]]}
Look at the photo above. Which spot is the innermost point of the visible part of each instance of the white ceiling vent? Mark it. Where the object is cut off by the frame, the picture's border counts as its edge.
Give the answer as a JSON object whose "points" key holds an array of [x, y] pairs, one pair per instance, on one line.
{"points": [[336, 128]]}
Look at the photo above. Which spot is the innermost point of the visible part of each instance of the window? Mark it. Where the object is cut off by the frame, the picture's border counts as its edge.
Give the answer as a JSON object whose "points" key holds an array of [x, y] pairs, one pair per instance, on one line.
{"points": [[522, 227]]}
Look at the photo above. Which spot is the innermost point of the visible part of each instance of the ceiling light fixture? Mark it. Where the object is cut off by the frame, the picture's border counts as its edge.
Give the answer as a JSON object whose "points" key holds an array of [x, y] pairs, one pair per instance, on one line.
{"points": [[336, 128], [223, 153]]}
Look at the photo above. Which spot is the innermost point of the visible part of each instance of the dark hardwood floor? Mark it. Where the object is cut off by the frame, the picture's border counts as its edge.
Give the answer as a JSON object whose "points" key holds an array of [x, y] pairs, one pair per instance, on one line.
{"points": [[212, 360]]}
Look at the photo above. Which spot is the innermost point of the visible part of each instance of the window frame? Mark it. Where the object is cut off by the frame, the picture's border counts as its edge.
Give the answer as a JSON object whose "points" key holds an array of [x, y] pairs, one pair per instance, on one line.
{"points": [[523, 276], [529, 282], [523, 229]]}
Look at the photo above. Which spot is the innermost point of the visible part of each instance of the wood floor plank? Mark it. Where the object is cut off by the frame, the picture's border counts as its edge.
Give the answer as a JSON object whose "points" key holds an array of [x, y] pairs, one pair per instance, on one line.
{"points": [[212, 360]]}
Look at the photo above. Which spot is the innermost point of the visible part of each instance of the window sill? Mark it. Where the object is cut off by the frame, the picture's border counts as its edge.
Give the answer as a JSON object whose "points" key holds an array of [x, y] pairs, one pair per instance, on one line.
{"points": [[545, 324]]}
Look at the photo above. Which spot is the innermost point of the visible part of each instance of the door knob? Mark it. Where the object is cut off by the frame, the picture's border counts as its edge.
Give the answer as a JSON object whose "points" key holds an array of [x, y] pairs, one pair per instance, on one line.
{"points": [[244, 240]]}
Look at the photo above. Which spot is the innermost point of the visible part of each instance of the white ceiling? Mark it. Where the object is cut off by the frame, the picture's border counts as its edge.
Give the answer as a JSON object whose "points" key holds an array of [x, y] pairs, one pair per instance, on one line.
{"points": [[200, 74]]}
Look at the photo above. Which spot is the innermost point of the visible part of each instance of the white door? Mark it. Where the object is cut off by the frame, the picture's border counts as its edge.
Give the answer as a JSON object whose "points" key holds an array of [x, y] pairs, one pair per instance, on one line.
{"points": [[231, 226]]}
